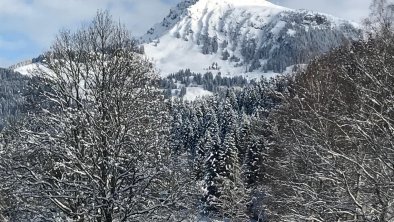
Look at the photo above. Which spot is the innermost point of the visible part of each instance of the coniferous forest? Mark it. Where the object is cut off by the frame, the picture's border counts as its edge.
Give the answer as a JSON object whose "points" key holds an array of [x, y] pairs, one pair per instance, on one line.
{"points": [[101, 138]]}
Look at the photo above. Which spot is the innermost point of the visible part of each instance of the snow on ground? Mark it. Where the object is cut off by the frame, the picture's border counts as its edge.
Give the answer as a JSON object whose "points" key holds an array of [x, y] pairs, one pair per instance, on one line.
{"points": [[256, 75], [173, 55], [291, 32], [278, 27], [32, 69], [193, 93]]}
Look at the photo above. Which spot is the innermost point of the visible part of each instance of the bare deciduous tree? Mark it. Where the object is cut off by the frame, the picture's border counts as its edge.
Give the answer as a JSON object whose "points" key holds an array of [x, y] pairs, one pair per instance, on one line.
{"points": [[337, 133], [381, 18], [96, 148]]}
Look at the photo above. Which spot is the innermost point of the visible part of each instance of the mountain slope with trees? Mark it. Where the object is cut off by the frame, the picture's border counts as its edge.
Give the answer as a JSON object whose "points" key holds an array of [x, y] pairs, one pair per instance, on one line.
{"points": [[13, 87]]}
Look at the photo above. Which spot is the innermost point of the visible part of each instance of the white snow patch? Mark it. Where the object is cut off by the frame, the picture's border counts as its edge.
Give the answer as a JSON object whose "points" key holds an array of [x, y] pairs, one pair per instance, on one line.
{"points": [[256, 75], [193, 93], [291, 32], [32, 69], [278, 27]]}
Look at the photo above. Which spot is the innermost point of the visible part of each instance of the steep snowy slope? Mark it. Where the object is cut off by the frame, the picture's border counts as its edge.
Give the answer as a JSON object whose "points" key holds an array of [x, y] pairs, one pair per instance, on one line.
{"points": [[31, 66], [241, 37]]}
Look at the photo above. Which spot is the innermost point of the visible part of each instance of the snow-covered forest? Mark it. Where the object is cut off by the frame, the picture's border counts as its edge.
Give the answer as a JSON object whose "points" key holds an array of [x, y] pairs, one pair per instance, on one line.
{"points": [[97, 135]]}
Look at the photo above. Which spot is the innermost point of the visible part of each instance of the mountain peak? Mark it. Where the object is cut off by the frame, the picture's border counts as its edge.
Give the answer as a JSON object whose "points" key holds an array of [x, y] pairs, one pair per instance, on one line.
{"points": [[235, 37], [201, 10], [237, 2]]}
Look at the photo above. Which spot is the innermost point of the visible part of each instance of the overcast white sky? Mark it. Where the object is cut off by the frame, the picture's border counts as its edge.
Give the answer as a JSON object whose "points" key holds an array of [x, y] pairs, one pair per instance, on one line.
{"points": [[27, 27]]}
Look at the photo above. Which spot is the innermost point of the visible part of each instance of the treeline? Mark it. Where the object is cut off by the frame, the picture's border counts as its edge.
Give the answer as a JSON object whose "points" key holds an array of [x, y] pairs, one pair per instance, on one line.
{"points": [[213, 83]]}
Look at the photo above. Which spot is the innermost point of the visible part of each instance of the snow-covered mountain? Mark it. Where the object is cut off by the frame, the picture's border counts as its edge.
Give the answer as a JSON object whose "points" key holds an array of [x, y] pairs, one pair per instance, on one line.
{"points": [[236, 37]]}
